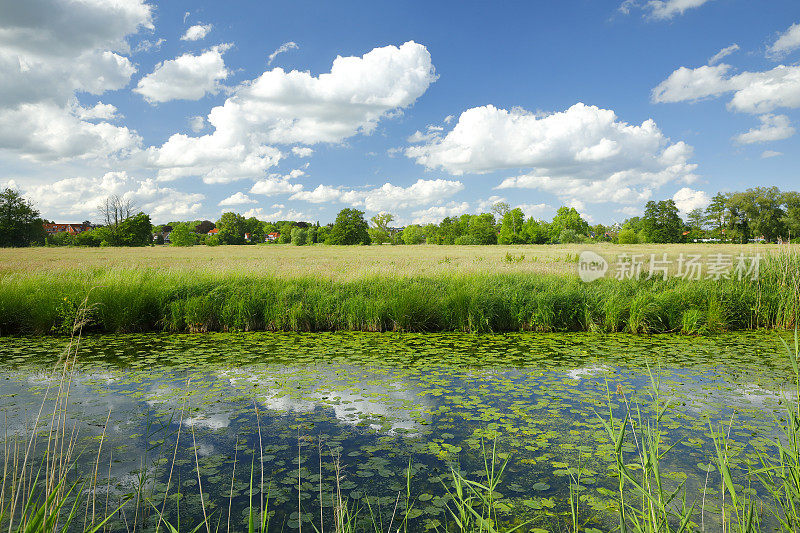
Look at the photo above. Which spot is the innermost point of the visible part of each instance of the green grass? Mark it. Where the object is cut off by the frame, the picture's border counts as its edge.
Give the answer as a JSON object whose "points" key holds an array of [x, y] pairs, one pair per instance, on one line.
{"points": [[147, 299]]}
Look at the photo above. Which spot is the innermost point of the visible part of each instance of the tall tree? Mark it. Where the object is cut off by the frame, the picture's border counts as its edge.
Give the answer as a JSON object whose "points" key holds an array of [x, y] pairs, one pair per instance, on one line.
{"points": [[379, 232], [661, 222], [204, 226], [500, 209], [481, 229], [567, 218], [350, 228], [763, 208], [715, 214], [511, 228], [183, 235], [20, 224], [232, 227], [113, 211], [696, 219], [792, 217]]}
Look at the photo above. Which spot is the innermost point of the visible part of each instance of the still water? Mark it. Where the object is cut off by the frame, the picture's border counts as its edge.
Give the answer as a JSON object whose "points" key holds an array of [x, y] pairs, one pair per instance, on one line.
{"points": [[306, 413]]}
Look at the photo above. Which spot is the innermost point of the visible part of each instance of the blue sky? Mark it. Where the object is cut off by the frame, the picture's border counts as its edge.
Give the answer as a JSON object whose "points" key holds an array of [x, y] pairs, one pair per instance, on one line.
{"points": [[433, 109]]}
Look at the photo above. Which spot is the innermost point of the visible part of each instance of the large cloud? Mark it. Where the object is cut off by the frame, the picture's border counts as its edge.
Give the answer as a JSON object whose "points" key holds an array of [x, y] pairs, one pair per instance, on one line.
{"points": [[187, 77], [79, 198], [584, 152], [753, 92], [295, 107], [386, 197], [44, 131], [49, 51]]}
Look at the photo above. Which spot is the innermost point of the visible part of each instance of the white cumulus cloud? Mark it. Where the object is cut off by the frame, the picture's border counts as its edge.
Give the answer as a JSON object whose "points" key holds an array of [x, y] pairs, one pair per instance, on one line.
{"points": [[238, 198], [753, 92], [386, 197], [196, 32], [49, 51], [584, 152], [773, 128], [436, 213], [295, 107], [687, 200], [187, 77], [274, 185], [74, 199], [787, 42]]}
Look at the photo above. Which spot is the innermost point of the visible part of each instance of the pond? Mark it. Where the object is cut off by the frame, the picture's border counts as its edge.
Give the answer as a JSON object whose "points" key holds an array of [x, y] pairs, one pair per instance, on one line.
{"points": [[360, 408]]}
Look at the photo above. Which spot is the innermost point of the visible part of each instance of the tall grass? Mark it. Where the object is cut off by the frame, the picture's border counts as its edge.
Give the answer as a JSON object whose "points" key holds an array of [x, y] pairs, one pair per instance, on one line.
{"points": [[36, 494], [134, 300]]}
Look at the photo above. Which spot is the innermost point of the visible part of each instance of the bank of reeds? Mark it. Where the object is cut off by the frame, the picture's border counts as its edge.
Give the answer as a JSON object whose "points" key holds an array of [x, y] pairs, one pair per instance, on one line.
{"points": [[138, 300]]}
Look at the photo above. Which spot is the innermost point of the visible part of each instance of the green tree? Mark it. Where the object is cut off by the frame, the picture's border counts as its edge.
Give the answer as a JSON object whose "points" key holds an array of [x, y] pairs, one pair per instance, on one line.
{"points": [[661, 222], [413, 234], [232, 227], [481, 229], [696, 219], [568, 236], [763, 208], [715, 215], [500, 209], [62, 238], [299, 236], [567, 218], [183, 235], [255, 228], [449, 230], [350, 228], [792, 217], [135, 230], [203, 227], [20, 224], [379, 232], [511, 230], [627, 235], [536, 231], [91, 238]]}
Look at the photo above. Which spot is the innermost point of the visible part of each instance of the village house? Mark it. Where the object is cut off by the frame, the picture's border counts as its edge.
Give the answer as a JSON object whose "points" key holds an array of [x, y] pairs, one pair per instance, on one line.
{"points": [[272, 237], [72, 229]]}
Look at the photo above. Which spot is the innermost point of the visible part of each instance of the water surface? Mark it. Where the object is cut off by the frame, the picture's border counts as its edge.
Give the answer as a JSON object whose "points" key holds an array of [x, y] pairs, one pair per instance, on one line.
{"points": [[375, 403]]}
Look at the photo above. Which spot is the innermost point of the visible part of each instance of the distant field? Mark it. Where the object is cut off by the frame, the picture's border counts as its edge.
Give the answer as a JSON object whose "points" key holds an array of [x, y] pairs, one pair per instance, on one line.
{"points": [[344, 262], [385, 288]]}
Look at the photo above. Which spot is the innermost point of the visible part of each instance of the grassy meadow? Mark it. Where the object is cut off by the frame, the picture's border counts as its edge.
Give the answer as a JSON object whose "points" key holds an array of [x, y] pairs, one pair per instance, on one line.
{"points": [[342, 263], [382, 288]]}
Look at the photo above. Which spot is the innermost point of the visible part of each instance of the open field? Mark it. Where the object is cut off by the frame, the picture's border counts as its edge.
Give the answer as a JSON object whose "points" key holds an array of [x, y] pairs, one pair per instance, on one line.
{"points": [[382, 289], [345, 263]]}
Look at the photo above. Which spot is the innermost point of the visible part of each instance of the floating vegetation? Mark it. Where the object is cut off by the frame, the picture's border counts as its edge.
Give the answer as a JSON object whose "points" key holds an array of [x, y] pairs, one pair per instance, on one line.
{"points": [[358, 428]]}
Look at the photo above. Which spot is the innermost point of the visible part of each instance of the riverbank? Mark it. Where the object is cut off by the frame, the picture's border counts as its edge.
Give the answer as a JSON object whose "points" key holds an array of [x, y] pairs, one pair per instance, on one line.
{"points": [[151, 299]]}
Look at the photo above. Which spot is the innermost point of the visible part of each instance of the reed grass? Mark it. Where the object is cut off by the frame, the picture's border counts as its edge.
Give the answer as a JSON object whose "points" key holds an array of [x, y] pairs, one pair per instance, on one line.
{"points": [[147, 299]]}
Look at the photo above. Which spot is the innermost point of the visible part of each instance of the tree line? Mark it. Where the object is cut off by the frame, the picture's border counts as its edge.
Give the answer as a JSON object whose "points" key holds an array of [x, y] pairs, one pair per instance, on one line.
{"points": [[762, 213]]}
